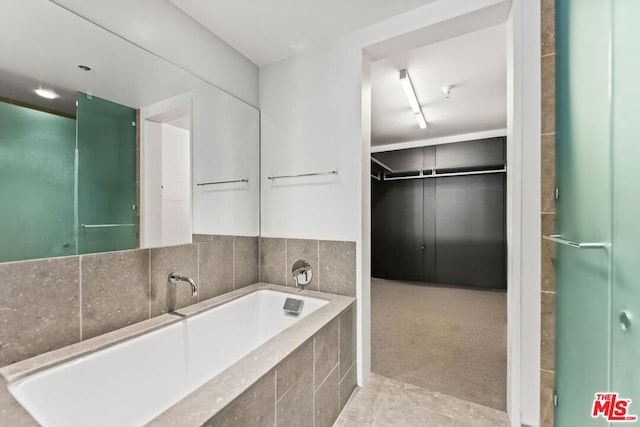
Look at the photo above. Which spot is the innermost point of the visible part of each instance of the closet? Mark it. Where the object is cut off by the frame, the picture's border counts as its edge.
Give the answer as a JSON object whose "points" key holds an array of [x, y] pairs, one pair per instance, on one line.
{"points": [[438, 214]]}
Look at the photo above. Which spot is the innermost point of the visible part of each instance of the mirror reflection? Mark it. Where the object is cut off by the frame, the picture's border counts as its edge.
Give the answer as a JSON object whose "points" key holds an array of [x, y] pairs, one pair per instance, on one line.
{"points": [[105, 146]]}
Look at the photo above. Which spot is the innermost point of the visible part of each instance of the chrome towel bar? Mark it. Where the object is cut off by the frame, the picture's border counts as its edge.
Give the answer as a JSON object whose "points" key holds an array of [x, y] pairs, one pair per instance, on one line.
{"points": [[334, 172], [557, 238], [106, 225], [222, 182]]}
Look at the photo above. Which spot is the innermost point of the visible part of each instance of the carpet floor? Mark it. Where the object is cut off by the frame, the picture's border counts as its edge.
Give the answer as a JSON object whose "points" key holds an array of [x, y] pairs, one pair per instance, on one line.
{"points": [[445, 339]]}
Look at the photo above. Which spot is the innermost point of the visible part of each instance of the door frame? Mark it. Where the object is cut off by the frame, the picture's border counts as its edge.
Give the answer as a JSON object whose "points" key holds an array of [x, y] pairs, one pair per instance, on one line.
{"points": [[523, 213]]}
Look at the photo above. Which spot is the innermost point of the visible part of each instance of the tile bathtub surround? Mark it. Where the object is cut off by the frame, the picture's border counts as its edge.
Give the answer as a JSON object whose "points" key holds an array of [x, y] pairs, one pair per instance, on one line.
{"points": [[51, 303], [167, 296], [333, 263], [39, 307], [246, 266], [115, 290], [285, 364], [215, 267], [302, 249], [273, 261]]}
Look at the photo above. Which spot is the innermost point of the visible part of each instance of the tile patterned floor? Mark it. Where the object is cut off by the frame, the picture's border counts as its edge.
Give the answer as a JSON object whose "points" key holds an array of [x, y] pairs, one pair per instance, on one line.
{"points": [[385, 402]]}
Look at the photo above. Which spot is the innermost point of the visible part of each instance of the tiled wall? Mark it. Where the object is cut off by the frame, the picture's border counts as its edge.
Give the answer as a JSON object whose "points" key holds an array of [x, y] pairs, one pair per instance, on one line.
{"points": [[50, 303], [310, 387], [333, 263], [548, 212]]}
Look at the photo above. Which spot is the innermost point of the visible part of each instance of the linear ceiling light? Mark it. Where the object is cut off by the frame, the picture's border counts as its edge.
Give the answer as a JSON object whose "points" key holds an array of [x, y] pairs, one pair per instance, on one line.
{"points": [[405, 81]]}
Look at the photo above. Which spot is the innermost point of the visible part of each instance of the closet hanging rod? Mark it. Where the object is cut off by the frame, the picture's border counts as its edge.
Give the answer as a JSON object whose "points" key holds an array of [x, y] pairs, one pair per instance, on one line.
{"points": [[422, 175], [334, 172], [106, 225], [222, 182], [378, 162], [376, 177]]}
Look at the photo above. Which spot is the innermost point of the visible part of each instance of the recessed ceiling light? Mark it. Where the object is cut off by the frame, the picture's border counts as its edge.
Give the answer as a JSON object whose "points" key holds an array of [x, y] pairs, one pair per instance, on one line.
{"points": [[46, 93], [84, 67]]}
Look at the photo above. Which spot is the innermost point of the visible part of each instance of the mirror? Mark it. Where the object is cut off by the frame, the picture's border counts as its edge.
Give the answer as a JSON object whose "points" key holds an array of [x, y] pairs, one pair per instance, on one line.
{"points": [[125, 150]]}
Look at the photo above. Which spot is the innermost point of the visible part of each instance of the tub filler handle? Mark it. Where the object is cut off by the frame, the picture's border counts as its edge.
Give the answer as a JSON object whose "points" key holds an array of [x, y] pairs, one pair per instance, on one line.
{"points": [[175, 278]]}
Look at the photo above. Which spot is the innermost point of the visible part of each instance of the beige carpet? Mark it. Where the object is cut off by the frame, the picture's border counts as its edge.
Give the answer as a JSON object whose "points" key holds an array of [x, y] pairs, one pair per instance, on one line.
{"points": [[449, 340]]}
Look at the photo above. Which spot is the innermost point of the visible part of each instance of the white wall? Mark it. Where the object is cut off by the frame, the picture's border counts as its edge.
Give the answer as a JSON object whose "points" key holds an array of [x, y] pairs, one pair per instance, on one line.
{"points": [[226, 147], [225, 143], [523, 209], [313, 120], [165, 30]]}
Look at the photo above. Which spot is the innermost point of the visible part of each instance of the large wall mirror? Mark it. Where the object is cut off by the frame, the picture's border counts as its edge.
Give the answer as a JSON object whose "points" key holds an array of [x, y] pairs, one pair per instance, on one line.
{"points": [[105, 146]]}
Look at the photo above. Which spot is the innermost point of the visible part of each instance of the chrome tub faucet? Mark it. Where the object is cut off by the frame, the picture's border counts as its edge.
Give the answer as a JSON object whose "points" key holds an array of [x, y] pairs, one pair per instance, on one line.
{"points": [[175, 278]]}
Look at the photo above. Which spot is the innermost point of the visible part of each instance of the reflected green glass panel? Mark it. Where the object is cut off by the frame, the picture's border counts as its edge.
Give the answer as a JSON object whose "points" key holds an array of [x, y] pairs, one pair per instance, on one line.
{"points": [[583, 211], [36, 184], [106, 175], [626, 202]]}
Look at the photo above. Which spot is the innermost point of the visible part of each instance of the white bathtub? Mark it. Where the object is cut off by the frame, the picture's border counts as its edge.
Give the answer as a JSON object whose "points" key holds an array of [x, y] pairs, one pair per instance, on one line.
{"points": [[132, 382]]}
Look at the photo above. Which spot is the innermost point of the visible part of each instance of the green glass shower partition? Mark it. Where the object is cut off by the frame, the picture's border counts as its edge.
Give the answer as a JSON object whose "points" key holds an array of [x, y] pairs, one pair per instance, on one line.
{"points": [[598, 174], [625, 313], [583, 209], [36, 184], [106, 175]]}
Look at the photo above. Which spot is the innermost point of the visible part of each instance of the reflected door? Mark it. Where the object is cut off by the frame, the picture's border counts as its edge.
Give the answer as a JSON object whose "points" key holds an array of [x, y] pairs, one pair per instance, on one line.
{"points": [[106, 175]]}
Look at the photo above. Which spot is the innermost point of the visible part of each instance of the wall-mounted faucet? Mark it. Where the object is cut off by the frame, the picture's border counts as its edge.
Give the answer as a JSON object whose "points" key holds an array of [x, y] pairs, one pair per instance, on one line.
{"points": [[302, 273], [175, 278]]}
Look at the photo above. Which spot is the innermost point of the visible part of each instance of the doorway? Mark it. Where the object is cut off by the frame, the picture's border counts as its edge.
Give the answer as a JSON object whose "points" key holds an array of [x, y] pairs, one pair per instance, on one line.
{"points": [[438, 218], [168, 144]]}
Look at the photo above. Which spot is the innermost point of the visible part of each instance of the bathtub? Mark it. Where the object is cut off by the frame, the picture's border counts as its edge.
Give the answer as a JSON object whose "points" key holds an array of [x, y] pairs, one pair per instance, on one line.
{"points": [[132, 382]]}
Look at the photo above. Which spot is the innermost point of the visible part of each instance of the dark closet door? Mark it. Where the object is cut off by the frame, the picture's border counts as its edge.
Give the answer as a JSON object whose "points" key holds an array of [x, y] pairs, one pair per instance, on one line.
{"points": [[471, 230], [429, 228], [397, 230]]}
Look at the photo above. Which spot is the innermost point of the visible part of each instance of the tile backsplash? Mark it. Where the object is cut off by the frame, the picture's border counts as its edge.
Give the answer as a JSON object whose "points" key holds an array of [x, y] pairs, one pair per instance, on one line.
{"points": [[51, 303], [333, 263]]}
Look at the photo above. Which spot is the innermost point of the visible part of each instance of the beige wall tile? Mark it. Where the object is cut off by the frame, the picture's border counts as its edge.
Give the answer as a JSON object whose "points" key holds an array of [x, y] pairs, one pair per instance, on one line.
{"points": [[327, 401], [548, 184], [290, 370], [546, 398], [306, 250], [548, 253], [347, 340], [255, 407], [547, 344], [273, 261], [39, 307], [337, 267], [215, 267], [115, 290], [166, 296], [246, 261], [325, 355], [295, 408], [547, 27], [548, 94]]}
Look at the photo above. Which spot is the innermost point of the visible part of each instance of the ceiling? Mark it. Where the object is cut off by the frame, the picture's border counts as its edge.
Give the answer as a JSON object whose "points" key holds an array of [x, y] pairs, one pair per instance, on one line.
{"points": [[268, 31], [474, 65], [41, 46]]}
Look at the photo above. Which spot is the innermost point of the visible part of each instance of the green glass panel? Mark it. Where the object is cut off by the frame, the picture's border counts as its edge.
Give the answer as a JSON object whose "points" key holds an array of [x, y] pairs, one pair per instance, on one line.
{"points": [[626, 202], [106, 175], [36, 184], [583, 211]]}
